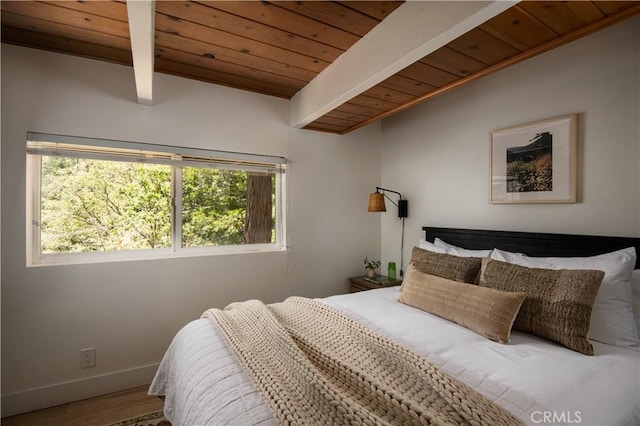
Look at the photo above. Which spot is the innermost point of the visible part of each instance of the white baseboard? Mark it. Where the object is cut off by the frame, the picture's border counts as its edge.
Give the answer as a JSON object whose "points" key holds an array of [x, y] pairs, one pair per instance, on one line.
{"points": [[75, 390]]}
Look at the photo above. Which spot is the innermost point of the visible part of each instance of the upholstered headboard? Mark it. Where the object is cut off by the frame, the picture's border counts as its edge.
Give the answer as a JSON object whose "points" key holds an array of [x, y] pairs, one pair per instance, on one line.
{"points": [[533, 244]]}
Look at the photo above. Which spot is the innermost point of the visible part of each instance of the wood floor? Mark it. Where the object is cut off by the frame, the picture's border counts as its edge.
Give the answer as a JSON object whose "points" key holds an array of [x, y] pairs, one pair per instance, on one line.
{"points": [[97, 411]]}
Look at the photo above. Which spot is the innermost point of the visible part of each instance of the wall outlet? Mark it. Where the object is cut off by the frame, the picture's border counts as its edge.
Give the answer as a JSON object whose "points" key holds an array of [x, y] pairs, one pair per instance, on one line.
{"points": [[87, 357]]}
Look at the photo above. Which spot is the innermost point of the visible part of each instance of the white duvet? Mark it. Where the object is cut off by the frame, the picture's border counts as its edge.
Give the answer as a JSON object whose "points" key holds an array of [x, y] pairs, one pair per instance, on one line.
{"points": [[538, 381]]}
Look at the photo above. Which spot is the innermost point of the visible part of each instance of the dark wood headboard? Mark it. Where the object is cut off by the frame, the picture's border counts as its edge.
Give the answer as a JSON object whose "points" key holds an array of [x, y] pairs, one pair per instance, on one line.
{"points": [[533, 244]]}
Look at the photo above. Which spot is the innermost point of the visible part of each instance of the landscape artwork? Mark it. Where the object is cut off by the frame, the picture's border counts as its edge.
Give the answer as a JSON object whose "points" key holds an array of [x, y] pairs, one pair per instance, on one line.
{"points": [[530, 166], [535, 162]]}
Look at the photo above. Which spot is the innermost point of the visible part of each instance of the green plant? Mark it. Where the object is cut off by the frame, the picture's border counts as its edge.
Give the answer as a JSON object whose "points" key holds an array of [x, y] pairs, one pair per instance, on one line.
{"points": [[371, 264]]}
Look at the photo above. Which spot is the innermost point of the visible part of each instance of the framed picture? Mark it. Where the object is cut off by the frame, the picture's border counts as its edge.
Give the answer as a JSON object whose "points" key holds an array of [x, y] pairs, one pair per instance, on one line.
{"points": [[535, 162]]}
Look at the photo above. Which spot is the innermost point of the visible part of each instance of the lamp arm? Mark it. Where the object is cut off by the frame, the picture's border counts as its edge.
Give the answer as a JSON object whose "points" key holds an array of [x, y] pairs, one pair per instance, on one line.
{"points": [[392, 202], [389, 190], [402, 204]]}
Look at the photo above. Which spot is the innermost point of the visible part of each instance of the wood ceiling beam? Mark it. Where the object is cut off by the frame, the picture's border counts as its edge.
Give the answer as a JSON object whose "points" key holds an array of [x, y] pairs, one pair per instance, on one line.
{"points": [[141, 30], [408, 34]]}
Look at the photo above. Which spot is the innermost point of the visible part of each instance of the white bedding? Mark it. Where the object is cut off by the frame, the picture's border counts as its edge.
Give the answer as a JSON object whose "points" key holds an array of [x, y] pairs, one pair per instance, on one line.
{"points": [[537, 380]]}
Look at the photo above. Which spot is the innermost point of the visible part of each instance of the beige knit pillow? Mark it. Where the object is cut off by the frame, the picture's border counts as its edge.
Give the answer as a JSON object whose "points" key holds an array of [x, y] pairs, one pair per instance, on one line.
{"points": [[456, 268], [558, 304], [486, 311]]}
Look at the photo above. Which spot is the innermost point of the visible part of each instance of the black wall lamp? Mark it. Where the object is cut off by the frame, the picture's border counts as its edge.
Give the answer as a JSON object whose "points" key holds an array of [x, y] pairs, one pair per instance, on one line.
{"points": [[376, 202]]}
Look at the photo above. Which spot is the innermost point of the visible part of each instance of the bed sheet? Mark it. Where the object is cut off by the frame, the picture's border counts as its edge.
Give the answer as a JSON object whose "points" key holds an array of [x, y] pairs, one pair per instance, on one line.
{"points": [[538, 381]]}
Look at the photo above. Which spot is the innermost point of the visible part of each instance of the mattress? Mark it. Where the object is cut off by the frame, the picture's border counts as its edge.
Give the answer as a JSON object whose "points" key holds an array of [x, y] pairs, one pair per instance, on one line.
{"points": [[537, 380]]}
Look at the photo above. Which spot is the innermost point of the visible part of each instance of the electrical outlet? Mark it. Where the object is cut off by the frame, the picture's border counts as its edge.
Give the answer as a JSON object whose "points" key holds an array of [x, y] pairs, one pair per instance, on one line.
{"points": [[87, 357]]}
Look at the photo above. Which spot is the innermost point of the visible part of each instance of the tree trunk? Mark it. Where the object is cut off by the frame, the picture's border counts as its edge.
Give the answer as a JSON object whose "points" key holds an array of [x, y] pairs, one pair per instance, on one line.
{"points": [[258, 222]]}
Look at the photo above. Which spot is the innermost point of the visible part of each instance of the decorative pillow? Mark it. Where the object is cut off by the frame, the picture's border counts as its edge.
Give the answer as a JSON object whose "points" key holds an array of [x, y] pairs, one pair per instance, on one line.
{"points": [[612, 320], [456, 268], [459, 251], [558, 304], [486, 311]]}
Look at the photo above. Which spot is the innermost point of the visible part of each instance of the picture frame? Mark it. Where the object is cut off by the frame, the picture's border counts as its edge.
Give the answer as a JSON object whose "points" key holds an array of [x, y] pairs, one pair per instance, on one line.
{"points": [[535, 162]]}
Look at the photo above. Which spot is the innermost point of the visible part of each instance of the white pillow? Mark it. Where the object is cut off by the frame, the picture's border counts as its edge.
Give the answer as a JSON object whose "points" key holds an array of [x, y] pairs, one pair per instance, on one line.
{"points": [[459, 251], [635, 297], [612, 319], [426, 245]]}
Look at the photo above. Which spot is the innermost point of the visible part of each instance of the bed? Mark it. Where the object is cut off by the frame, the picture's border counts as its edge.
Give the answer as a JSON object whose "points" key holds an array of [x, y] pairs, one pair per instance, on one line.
{"points": [[535, 380]]}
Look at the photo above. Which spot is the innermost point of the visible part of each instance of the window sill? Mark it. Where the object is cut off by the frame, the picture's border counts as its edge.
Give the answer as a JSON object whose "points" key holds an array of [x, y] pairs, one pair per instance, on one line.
{"points": [[142, 255]]}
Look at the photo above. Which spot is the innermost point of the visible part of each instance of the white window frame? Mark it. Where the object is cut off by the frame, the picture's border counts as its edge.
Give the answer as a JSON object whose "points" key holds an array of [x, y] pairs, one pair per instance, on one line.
{"points": [[43, 144]]}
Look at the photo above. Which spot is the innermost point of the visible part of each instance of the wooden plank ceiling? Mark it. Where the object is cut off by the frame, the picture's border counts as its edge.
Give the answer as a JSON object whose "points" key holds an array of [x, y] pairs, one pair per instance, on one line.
{"points": [[277, 47]]}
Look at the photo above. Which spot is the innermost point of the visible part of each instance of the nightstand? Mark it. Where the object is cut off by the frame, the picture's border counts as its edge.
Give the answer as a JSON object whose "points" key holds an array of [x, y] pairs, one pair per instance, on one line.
{"points": [[363, 283]]}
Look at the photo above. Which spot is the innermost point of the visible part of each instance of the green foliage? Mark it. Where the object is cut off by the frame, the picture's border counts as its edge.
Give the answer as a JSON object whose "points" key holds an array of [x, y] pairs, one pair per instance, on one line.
{"points": [[371, 264], [95, 205], [213, 206], [91, 205]]}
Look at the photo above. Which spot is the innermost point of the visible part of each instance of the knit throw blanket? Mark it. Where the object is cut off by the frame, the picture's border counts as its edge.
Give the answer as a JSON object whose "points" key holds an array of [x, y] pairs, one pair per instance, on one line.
{"points": [[316, 366]]}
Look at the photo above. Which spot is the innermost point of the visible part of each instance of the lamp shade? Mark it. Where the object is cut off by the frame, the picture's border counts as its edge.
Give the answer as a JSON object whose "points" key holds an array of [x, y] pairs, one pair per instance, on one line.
{"points": [[376, 202]]}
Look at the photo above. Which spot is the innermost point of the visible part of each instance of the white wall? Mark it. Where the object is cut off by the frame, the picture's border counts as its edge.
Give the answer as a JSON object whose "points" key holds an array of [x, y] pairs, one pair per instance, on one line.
{"points": [[437, 154], [129, 311]]}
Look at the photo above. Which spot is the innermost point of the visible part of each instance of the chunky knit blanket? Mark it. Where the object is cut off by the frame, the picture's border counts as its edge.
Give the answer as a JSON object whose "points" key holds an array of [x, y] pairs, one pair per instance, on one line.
{"points": [[316, 366]]}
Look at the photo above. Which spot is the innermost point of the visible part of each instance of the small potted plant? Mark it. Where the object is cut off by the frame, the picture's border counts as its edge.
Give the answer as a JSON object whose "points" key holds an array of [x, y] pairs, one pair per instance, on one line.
{"points": [[371, 266]]}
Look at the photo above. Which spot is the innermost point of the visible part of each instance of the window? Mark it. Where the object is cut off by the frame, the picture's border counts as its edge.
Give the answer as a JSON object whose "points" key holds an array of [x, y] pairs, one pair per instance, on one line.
{"points": [[93, 200]]}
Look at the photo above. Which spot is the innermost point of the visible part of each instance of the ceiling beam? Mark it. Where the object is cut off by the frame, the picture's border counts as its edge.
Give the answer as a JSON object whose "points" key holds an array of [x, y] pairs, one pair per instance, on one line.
{"points": [[408, 34], [141, 31]]}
